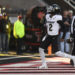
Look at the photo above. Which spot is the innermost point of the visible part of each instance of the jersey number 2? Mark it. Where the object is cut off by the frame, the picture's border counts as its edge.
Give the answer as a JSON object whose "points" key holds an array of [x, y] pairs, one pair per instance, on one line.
{"points": [[50, 27]]}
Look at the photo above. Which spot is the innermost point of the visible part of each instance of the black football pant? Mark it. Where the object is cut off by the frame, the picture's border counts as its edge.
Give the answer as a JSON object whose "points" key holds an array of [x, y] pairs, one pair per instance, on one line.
{"points": [[19, 45], [50, 40]]}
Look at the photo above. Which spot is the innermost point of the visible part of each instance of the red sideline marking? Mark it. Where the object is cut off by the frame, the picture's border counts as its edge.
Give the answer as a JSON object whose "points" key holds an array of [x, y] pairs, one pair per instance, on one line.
{"points": [[33, 29], [22, 67], [29, 43], [39, 73], [64, 63]]}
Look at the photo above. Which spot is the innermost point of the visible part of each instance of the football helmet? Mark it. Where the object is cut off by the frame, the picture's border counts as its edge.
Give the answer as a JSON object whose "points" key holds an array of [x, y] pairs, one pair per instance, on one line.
{"points": [[56, 9]]}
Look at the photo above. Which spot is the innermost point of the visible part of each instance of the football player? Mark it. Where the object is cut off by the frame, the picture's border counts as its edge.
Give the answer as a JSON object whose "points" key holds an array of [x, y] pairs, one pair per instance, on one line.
{"points": [[53, 22]]}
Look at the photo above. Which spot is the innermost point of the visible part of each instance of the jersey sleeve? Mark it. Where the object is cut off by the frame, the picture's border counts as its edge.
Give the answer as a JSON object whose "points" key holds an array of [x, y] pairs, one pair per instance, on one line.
{"points": [[59, 18], [47, 16]]}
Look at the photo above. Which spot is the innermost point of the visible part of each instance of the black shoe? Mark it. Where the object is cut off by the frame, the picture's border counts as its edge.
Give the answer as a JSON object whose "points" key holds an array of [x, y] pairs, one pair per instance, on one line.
{"points": [[71, 62]]}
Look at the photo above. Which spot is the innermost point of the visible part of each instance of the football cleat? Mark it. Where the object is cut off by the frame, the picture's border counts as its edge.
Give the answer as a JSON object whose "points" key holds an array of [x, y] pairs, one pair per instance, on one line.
{"points": [[44, 66]]}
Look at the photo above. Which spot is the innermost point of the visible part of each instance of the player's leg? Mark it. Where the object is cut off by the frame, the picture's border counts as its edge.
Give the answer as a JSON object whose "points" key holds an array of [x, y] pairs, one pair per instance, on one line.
{"points": [[63, 54], [42, 55], [59, 53], [43, 46]]}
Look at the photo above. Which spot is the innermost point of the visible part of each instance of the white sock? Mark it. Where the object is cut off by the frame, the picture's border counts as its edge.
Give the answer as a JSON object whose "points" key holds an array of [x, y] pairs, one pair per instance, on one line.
{"points": [[42, 55], [62, 54]]}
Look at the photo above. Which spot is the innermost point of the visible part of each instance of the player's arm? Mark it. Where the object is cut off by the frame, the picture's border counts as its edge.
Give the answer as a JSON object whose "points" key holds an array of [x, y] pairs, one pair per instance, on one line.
{"points": [[62, 28]]}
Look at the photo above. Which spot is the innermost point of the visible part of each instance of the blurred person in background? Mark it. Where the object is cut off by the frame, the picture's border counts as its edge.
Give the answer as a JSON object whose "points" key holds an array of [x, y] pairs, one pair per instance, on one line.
{"points": [[73, 37], [0, 32], [36, 30], [19, 33], [64, 45], [5, 29], [70, 15]]}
